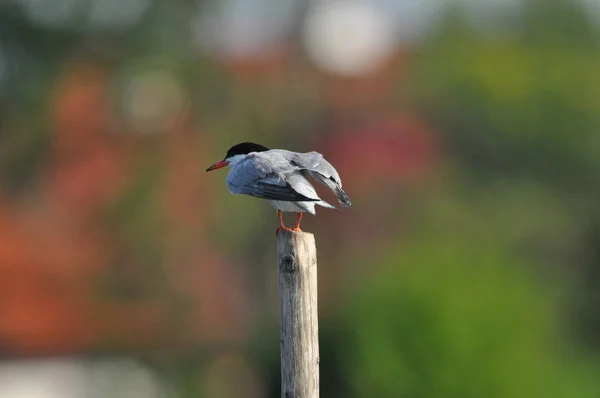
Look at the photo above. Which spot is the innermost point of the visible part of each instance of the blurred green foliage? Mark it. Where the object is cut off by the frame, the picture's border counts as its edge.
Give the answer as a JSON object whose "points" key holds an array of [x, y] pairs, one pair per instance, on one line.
{"points": [[453, 313], [521, 105], [449, 319]]}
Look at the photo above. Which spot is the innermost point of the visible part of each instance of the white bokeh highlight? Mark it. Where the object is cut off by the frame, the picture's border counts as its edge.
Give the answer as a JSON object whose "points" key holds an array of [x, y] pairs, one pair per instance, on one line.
{"points": [[78, 378], [349, 38]]}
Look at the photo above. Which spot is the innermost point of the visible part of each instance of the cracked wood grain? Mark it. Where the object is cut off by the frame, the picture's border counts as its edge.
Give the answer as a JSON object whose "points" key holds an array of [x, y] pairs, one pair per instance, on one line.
{"points": [[298, 317]]}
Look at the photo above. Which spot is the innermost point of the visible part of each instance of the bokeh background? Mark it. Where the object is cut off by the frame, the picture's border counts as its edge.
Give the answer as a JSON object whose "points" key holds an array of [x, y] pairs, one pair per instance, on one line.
{"points": [[467, 134]]}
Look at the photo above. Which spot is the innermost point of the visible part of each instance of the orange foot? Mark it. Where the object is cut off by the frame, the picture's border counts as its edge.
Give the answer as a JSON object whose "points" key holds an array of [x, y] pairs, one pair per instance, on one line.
{"points": [[284, 228], [281, 226], [297, 227]]}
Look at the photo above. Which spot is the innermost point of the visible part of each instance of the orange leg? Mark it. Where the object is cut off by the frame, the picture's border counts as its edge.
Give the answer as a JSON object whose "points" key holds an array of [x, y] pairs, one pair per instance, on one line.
{"points": [[281, 226], [297, 227]]}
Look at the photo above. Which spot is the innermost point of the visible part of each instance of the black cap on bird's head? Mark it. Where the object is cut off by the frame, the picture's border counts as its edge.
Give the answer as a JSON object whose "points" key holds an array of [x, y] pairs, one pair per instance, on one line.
{"points": [[243, 148]]}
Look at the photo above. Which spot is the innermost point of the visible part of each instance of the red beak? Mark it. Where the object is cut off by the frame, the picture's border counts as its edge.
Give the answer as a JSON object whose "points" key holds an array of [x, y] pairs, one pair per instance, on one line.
{"points": [[218, 165]]}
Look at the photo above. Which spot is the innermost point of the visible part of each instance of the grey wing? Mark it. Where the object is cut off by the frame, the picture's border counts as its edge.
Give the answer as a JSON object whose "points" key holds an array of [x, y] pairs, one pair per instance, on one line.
{"points": [[257, 177], [322, 171]]}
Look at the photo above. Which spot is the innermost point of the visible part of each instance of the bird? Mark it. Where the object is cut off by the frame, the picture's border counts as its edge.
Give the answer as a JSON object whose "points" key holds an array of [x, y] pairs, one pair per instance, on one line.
{"points": [[280, 177]]}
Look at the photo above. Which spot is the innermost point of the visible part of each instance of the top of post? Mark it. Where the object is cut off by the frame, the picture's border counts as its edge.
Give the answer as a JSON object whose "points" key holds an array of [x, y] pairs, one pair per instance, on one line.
{"points": [[294, 247], [295, 238]]}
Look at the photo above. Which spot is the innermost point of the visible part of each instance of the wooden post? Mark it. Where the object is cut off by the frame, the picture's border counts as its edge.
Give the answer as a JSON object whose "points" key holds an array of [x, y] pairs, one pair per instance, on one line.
{"points": [[298, 321]]}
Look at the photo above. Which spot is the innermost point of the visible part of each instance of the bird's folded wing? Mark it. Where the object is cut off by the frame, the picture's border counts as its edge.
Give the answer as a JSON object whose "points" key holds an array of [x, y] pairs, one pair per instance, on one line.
{"points": [[315, 162], [257, 178], [277, 192]]}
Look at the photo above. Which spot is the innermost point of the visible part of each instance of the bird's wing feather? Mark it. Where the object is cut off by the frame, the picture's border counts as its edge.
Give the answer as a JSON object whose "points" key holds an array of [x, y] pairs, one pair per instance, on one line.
{"points": [[322, 171], [263, 177], [278, 192], [314, 161]]}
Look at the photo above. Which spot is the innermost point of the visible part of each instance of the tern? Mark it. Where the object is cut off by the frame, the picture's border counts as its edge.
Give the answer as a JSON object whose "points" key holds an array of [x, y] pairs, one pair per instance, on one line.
{"points": [[280, 177]]}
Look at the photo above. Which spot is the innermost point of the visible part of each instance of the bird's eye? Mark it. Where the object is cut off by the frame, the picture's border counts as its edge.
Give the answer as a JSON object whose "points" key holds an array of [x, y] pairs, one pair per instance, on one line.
{"points": [[332, 179]]}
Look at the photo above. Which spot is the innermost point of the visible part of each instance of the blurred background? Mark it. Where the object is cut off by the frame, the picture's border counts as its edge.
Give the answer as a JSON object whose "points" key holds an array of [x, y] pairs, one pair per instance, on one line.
{"points": [[467, 134]]}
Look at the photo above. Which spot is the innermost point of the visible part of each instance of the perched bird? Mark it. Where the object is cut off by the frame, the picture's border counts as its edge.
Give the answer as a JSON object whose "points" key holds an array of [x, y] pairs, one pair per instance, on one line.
{"points": [[280, 176]]}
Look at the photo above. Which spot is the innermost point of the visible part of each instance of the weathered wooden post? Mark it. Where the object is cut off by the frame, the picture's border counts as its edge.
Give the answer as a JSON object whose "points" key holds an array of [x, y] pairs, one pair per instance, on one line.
{"points": [[298, 319]]}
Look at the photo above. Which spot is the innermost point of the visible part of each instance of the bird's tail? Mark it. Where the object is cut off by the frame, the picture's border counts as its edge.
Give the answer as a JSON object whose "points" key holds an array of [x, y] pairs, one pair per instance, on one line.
{"points": [[342, 197]]}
